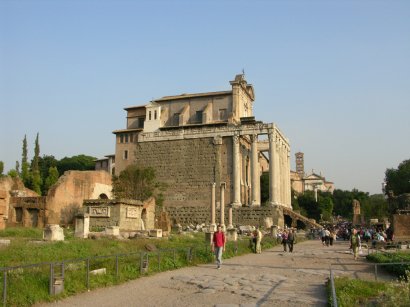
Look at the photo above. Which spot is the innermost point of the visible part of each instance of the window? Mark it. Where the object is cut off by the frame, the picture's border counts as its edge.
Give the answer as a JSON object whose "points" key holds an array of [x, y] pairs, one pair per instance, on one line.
{"points": [[126, 138], [131, 137], [149, 115], [176, 119], [141, 122], [222, 114], [121, 138], [198, 117], [155, 114], [125, 156]]}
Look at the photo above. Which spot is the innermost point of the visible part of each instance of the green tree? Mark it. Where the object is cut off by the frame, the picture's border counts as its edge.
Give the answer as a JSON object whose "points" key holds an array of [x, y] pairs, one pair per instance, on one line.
{"points": [[18, 167], [35, 170], [45, 163], [398, 180], [51, 178], [136, 183], [79, 163], [1, 168], [13, 173], [25, 172]]}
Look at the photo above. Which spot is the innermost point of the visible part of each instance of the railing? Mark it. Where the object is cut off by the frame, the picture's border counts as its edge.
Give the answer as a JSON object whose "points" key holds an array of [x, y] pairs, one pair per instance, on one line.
{"points": [[57, 270], [376, 273]]}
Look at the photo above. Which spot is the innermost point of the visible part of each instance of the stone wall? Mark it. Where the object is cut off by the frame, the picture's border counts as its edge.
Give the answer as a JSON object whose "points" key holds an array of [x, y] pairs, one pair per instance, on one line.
{"points": [[240, 216], [401, 226], [67, 195], [11, 187], [188, 167], [128, 215]]}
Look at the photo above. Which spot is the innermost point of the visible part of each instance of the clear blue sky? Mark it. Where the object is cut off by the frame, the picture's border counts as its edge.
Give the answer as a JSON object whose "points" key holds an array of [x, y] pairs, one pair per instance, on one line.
{"points": [[333, 75]]}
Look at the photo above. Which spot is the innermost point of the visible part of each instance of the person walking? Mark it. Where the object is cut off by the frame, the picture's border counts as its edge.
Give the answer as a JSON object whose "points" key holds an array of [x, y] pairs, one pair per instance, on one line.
{"points": [[218, 245], [291, 239], [285, 239], [355, 243]]}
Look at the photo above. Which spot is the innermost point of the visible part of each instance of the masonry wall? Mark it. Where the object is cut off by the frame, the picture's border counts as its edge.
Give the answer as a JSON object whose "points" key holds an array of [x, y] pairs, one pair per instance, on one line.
{"points": [[188, 167], [240, 216], [401, 226]]}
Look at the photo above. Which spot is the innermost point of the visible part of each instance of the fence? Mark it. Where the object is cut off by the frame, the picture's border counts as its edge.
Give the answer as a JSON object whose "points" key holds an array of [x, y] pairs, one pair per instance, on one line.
{"points": [[54, 273], [358, 274]]}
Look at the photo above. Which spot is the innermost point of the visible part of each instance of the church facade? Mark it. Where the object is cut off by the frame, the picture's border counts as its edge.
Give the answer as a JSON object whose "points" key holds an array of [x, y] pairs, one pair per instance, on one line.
{"points": [[198, 141]]}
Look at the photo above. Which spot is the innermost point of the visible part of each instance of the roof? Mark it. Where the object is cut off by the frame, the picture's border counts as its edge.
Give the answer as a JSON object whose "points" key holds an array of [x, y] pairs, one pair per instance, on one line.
{"points": [[197, 95]]}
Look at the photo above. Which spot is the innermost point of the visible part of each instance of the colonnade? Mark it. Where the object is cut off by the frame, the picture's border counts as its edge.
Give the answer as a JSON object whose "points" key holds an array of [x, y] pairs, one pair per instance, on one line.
{"points": [[279, 174], [279, 171]]}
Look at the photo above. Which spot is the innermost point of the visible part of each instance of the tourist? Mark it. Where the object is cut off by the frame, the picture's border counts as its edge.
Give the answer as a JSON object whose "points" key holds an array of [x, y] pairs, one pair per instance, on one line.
{"points": [[323, 236], [327, 237], [291, 239], [332, 237], [218, 245], [355, 243], [284, 239]]}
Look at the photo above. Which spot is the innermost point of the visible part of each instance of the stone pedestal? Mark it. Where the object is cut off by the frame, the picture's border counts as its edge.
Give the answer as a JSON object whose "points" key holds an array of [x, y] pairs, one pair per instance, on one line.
{"points": [[231, 234], [53, 233], [82, 225], [156, 233], [274, 231], [112, 230]]}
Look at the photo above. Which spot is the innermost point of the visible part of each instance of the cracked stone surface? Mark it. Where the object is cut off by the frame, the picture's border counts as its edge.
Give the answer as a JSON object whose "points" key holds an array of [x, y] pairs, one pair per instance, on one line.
{"points": [[273, 278]]}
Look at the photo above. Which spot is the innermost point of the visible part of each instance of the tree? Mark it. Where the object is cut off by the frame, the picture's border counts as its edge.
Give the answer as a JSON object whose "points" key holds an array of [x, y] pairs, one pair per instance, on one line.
{"points": [[1, 168], [25, 174], [13, 173], [79, 163], [18, 167], [136, 183], [45, 164], [51, 178], [398, 180], [35, 170]]}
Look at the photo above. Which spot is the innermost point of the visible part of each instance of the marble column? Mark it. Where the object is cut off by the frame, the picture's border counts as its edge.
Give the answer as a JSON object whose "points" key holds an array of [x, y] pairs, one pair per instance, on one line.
{"points": [[236, 173], [255, 180], [273, 199], [230, 224], [222, 220], [213, 205]]}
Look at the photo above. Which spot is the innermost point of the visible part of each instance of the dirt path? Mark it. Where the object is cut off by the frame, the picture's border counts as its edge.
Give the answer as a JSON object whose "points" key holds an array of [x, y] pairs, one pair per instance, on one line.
{"points": [[273, 278]]}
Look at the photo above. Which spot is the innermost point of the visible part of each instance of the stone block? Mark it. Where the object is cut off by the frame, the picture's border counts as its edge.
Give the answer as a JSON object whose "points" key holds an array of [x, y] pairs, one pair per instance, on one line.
{"points": [[231, 234], [156, 233], [112, 230], [101, 271], [53, 232], [4, 242], [82, 226]]}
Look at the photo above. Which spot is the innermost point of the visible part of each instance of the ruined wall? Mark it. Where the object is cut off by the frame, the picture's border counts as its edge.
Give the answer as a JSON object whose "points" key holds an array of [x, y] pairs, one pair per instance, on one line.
{"points": [[401, 226], [11, 187], [128, 215], [67, 195], [240, 216], [188, 167]]}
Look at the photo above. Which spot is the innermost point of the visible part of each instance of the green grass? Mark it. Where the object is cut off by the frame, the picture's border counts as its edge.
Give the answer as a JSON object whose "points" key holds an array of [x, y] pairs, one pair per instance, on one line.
{"points": [[354, 292], [30, 285], [400, 269]]}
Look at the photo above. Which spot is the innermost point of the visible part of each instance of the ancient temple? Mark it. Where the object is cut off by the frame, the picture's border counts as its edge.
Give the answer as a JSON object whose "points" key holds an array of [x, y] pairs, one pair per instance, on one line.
{"points": [[193, 140]]}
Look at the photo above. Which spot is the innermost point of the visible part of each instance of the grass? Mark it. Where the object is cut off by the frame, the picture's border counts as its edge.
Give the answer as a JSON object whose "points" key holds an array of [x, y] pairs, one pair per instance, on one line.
{"points": [[30, 285], [354, 292], [400, 269]]}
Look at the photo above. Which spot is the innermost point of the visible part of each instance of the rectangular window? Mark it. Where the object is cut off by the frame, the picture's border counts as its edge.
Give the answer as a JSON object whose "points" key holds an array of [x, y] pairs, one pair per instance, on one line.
{"points": [[126, 138], [198, 117], [155, 114], [125, 155], [131, 137], [149, 115], [176, 119], [223, 114], [121, 138], [141, 122]]}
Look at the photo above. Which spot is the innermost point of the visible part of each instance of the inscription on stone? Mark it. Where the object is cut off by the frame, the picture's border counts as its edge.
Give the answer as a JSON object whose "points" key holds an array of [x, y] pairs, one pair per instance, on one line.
{"points": [[99, 211], [132, 213]]}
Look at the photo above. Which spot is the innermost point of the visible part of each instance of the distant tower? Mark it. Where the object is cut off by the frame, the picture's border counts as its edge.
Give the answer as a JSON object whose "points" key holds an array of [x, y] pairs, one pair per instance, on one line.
{"points": [[300, 165]]}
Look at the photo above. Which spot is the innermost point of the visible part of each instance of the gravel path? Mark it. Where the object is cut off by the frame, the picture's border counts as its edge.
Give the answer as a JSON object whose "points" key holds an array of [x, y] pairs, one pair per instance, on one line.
{"points": [[273, 278]]}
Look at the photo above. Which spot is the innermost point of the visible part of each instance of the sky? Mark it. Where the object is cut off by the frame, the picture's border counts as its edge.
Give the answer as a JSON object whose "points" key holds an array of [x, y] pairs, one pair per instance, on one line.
{"points": [[333, 75]]}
